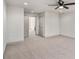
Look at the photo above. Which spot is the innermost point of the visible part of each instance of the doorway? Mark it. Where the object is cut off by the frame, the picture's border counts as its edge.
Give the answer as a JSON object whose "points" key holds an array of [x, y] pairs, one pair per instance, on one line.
{"points": [[32, 26]]}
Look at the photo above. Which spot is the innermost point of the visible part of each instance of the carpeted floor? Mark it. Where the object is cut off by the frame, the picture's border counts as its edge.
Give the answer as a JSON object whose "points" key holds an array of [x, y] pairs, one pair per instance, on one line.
{"points": [[39, 48]]}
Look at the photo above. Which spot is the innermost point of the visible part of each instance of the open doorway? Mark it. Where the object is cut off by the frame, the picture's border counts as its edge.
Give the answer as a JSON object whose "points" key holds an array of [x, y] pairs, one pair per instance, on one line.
{"points": [[32, 26]]}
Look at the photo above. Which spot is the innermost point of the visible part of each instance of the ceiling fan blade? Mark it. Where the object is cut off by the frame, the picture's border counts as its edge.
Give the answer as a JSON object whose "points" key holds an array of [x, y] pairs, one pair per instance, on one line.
{"points": [[57, 7], [60, 0], [70, 4], [66, 7], [52, 5]]}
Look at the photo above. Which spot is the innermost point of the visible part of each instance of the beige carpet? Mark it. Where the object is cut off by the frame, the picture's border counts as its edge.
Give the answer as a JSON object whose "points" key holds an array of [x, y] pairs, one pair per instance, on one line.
{"points": [[51, 48]]}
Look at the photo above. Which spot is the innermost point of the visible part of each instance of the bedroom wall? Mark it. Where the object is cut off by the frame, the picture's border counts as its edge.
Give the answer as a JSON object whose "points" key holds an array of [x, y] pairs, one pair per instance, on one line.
{"points": [[37, 25], [68, 24], [51, 24], [15, 24], [4, 25], [54, 23]]}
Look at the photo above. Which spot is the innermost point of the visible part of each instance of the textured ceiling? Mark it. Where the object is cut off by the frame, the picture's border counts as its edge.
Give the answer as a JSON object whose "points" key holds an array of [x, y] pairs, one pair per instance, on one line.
{"points": [[38, 5]]}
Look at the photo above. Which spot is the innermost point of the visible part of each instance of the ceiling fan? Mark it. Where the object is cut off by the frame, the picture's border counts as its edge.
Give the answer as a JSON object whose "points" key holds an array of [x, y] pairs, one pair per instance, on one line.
{"points": [[61, 4]]}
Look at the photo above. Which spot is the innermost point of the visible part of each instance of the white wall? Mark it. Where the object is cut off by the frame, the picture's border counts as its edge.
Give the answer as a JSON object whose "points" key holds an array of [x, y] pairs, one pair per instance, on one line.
{"points": [[15, 24], [51, 24], [4, 25], [68, 24], [31, 14], [37, 25]]}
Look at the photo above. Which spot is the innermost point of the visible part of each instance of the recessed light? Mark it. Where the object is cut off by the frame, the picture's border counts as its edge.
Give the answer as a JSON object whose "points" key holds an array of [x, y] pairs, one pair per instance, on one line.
{"points": [[32, 11], [25, 3]]}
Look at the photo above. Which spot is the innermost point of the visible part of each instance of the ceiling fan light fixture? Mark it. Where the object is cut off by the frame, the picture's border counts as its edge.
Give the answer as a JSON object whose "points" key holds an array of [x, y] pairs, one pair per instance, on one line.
{"points": [[61, 7]]}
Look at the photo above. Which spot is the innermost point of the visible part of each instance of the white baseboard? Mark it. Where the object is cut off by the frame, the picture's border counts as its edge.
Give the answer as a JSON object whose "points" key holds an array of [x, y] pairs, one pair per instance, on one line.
{"points": [[15, 43], [4, 49], [60, 35], [52, 36], [67, 36]]}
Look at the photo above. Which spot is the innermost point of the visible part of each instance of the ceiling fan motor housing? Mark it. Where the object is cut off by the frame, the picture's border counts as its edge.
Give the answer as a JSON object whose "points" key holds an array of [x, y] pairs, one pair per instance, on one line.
{"points": [[61, 3]]}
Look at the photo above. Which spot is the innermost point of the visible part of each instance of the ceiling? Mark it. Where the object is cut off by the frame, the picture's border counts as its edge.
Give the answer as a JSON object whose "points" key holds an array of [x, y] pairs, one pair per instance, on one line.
{"points": [[38, 5]]}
